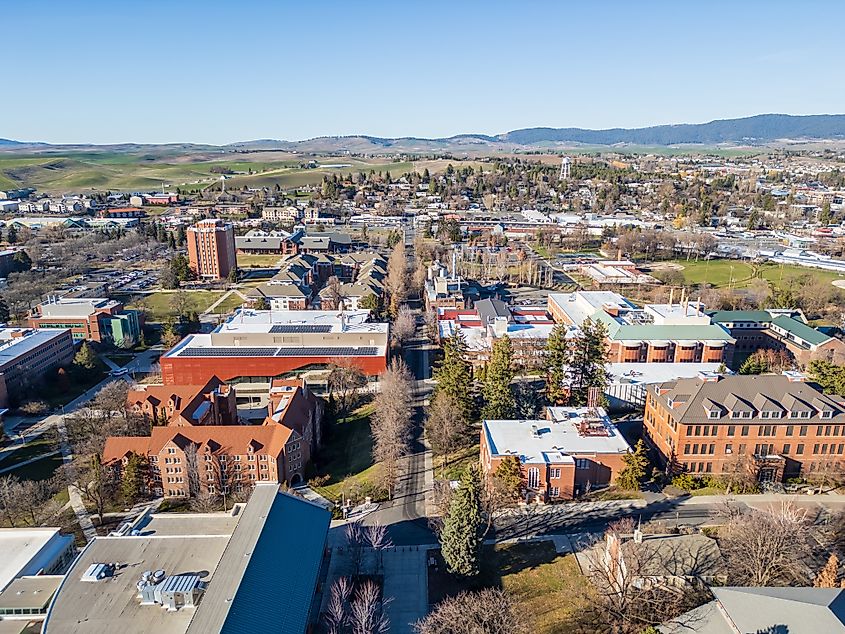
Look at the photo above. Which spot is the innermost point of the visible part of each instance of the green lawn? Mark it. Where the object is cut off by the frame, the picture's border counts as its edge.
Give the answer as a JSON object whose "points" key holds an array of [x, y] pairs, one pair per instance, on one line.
{"points": [[40, 446], [258, 260], [159, 309], [347, 456], [229, 304], [40, 469], [458, 462], [737, 274], [549, 589]]}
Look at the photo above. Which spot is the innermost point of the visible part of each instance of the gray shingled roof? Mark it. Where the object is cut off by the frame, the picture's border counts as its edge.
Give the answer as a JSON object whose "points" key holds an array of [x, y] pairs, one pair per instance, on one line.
{"points": [[691, 398]]}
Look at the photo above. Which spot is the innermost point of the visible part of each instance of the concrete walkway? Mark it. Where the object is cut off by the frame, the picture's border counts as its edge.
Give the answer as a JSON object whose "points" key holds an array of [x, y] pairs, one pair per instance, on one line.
{"points": [[73, 492], [406, 581]]}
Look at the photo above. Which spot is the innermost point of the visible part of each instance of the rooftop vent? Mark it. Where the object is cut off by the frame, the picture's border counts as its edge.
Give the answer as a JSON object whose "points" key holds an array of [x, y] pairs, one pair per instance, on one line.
{"points": [[794, 376], [97, 572]]}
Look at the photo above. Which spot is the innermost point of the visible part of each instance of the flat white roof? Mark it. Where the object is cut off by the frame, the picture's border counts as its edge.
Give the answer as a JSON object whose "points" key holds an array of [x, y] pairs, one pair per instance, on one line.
{"points": [[13, 347], [75, 306], [580, 305], [647, 373], [555, 440], [27, 550], [262, 321]]}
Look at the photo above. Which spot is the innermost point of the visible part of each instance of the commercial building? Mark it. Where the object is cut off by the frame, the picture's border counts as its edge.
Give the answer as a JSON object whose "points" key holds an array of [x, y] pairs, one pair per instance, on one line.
{"points": [[25, 601], [615, 273], [254, 570], [258, 242], [780, 329], [260, 345], [179, 405], [573, 450], [229, 458], [656, 333], [93, 319], [33, 551], [211, 248], [27, 355], [776, 426]]}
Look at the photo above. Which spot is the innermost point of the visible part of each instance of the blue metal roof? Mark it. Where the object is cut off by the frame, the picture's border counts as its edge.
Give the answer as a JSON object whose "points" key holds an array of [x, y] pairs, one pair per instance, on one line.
{"points": [[278, 584]]}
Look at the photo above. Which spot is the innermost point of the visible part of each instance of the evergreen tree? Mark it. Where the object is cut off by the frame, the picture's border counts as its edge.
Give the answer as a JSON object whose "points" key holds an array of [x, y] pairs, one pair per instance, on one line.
{"points": [[460, 539], [586, 356], [132, 482], [5, 314], [509, 475], [85, 358], [557, 388], [454, 376], [12, 235], [634, 471], [499, 402]]}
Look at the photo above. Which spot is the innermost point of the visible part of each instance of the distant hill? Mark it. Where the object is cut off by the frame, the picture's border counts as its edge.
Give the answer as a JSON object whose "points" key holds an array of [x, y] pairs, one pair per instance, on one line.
{"points": [[750, 130], [757, 130]]}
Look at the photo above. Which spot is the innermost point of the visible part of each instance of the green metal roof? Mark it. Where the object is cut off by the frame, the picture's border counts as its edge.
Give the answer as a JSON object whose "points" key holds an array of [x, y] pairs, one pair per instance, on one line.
{"points": [[760, 316], [800, 330], [672, 333]]}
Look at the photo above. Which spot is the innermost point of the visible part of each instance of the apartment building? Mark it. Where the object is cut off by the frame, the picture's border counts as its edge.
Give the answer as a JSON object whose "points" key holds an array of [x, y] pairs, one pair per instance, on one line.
{"points": [[229, 458], [27, 355], [777, 426], [655, 333], [213, 403], [211, 248], [573, 450], [92, 319]]}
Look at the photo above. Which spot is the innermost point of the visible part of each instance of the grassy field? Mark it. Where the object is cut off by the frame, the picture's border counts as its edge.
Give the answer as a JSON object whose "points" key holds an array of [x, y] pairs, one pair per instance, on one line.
{"points": [[43, 445], [458, 462], [229, 304], [347, 456], [246, 261], [736, 274], [57, 172], [159, 309], [549, 589]]}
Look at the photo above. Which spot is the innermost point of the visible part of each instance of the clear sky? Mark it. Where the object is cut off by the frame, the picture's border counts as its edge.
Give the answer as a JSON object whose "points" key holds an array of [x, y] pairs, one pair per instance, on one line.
{"points": [[86, 71]]}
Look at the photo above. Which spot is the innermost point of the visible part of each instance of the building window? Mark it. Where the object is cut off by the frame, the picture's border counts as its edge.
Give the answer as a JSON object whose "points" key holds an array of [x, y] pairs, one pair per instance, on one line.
{"points": [[686, 448], [533, 477], [799, 449], [554, 473], [731, 430], [582, 463], [827, 414], [786, 448], [713, 413], [744, 431], [729, 448], [802, 431], [554, 492], [790, 429]]}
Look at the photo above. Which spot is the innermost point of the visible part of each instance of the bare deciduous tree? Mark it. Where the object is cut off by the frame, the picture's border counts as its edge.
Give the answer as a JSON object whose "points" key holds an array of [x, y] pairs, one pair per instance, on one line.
{"points": [[367, 610], [404, 325], [344, 382], [336, 616], [396, 282], [391, 421], [766, 547], [490, 611], [444, 426]]}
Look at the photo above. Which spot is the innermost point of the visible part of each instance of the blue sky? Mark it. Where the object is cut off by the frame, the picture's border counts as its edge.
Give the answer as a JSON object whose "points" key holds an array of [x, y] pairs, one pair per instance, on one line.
{"points": [[218, 72]]}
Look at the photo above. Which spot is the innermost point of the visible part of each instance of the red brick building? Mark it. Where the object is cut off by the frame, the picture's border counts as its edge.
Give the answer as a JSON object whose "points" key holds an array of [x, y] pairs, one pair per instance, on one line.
{"points": [[211, 248], [227, 459], [775, 425], [263, 345], [181, 405], [574, 450], [91, 319], [292, 404]]}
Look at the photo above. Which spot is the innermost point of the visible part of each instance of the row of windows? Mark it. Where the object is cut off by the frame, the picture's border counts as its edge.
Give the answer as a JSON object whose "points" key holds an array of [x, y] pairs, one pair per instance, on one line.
{"points": [[765, 430], [772, 414]]}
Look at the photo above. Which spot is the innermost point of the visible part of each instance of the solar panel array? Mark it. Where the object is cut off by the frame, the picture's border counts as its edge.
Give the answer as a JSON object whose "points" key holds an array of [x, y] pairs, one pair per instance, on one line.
{"points": [[347, 351], [301, 328]]}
